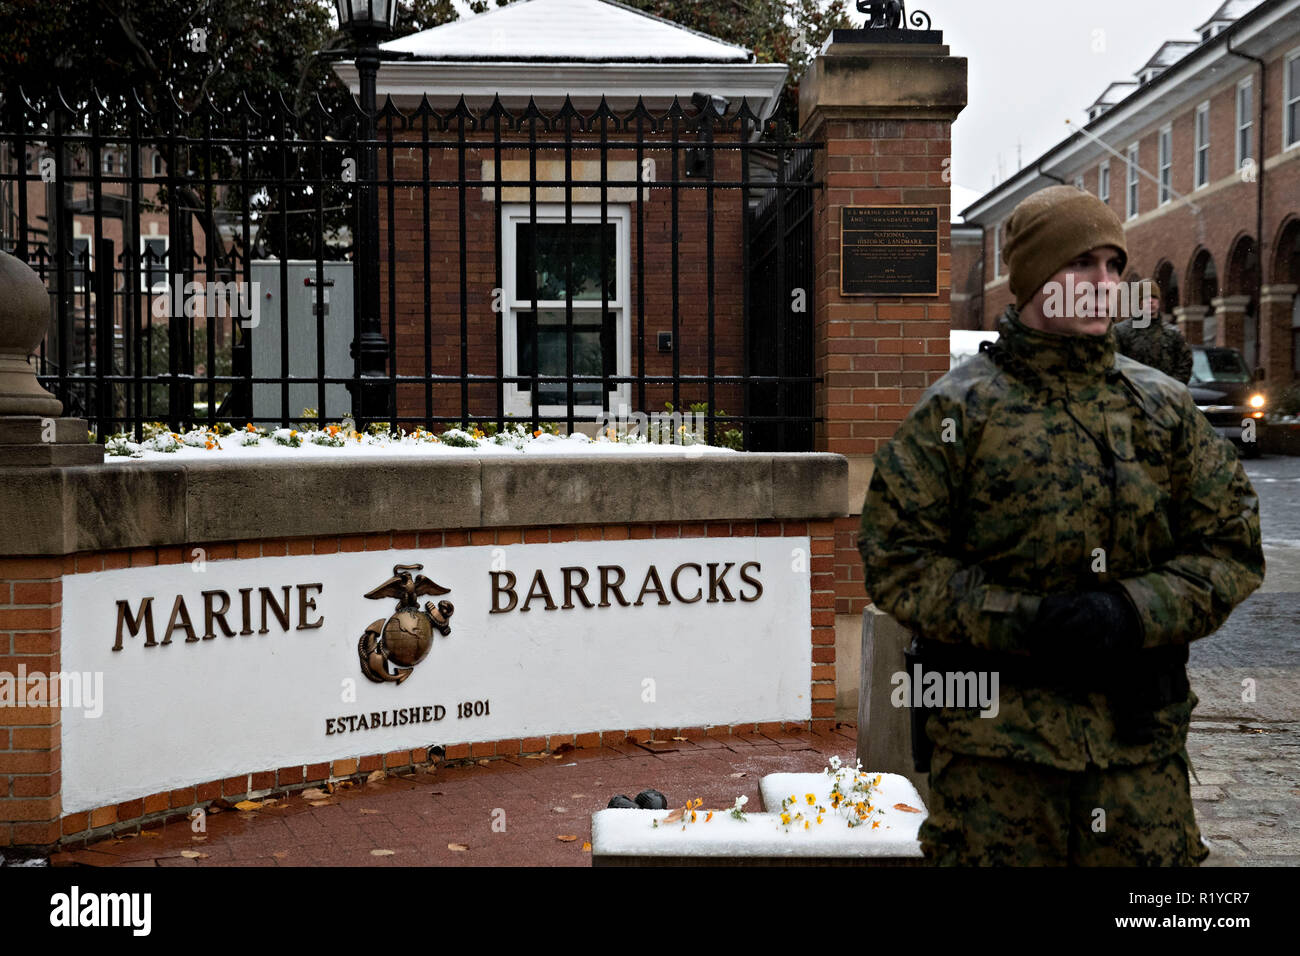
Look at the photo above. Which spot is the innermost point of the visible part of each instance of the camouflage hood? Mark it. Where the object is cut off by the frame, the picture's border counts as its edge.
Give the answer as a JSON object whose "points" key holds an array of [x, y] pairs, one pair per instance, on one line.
{"points": [[1054, 357]]}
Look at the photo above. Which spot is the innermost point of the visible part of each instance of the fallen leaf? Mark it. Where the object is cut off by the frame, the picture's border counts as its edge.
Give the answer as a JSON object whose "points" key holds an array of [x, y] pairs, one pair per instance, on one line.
{"points": [[193, 855], [376, 776], [484, 762], [150, 833], [737, 776], [904, 807], [673, 817], [247, 805], [576, 796], [321, 803], [381, 852], [567, 839], [679, 738], [198, 839], [314, 793], [559, 809], [280, 854], [369, 811], [586, 848], [535, 756], [457, 847]]}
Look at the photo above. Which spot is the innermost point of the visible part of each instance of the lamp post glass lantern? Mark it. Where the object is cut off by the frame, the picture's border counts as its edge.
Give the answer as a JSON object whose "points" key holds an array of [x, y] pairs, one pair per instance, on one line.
{"points": [[367, 21], [358, 16]]}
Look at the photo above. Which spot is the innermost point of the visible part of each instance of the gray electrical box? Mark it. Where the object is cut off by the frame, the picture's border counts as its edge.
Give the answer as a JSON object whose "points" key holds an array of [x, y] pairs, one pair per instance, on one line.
{"points": [[267, 344]]}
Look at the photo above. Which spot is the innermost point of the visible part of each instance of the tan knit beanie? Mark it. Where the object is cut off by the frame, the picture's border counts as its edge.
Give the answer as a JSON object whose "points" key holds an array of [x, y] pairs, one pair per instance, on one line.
{"points": [[1051, 228]]}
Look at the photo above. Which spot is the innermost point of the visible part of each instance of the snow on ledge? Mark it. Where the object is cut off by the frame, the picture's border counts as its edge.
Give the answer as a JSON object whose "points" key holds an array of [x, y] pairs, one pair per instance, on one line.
{"points": [[633, 833], [577, 445]]}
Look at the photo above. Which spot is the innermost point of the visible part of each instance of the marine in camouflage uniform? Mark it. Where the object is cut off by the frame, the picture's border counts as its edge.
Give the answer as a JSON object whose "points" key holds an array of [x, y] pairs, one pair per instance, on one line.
{"points": [[1064, 516], [1156, 343]]}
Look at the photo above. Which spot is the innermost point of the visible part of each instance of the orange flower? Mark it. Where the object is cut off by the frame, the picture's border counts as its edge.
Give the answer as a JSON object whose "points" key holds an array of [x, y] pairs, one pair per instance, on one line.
{"points": [[537, 433], [708, 817], [874, 824]]}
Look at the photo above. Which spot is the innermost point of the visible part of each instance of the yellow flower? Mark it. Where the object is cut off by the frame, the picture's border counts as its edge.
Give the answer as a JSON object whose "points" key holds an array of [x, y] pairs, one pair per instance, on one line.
{"points": [[810, 798], [292, 432], [785, 818], [692, 816], [806, 824], [819, 818]]}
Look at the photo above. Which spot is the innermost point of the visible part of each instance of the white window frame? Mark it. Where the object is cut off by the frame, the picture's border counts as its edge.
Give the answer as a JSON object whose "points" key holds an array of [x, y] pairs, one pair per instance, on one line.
{"points": [[1103, 181], [1202, 148], [80, 278], [997, 251], [1132, 188], [1078, 182], [518, 403], [109, 162], [1290, 97], [1166, 170], [159, 285], [1246, 123]]}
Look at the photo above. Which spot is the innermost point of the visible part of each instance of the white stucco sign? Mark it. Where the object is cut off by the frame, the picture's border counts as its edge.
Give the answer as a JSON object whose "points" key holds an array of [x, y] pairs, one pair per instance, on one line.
{"points": [[225, 667]]}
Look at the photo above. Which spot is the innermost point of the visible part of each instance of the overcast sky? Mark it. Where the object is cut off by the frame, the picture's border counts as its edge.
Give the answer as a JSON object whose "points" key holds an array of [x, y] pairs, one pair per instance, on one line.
{"points": [[1032, 65], [1035, 63]]}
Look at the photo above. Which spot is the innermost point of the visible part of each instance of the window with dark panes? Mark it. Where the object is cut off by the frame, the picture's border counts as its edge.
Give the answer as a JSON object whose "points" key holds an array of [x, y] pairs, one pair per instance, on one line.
{"points": [[559, 265]]}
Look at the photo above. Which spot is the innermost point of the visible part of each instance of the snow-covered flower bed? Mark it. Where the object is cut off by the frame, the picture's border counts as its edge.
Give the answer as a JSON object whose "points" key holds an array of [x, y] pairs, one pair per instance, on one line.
{"points": [[334, 440]]}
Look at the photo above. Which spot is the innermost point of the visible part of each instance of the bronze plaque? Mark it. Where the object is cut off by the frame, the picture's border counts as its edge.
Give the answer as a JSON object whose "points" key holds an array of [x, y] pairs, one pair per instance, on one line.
{"points": [[889, 250]]}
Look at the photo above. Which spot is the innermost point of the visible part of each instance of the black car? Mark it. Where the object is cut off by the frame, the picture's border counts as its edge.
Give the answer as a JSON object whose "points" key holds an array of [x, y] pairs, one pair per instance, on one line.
{"points": [[1226, 392]]}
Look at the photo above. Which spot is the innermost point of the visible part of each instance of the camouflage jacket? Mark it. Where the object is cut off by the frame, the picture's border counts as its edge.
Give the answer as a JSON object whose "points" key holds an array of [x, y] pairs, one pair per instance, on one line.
{"points": [[1009, 478], [1157, 344]]}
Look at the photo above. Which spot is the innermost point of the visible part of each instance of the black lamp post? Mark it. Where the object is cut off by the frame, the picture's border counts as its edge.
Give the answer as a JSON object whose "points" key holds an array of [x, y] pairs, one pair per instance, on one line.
{"points": [[367, 21]]}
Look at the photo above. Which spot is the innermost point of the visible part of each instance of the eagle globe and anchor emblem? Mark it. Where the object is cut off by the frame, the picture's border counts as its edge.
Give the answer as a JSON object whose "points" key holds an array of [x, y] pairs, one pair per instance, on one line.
{"points": [[390, 649]]}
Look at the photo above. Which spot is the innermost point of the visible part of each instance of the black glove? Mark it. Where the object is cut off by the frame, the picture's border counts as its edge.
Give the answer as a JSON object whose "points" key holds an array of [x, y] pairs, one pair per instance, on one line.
{"points": [[1085, 622]]}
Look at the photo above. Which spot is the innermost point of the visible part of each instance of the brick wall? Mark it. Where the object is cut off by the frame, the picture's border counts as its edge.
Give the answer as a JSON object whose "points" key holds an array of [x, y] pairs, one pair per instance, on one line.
{"points": [[1175, 234], [31, 596], [688, 248], [30, 608]]}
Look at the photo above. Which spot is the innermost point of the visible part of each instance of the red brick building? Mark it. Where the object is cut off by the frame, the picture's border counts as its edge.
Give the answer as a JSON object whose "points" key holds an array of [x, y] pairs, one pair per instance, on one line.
{"points": [[539, 53], [1177, 155]]}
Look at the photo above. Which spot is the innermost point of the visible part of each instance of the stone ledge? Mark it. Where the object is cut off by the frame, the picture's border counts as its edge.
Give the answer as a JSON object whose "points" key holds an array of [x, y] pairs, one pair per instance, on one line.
{"points": [[113, 506]]}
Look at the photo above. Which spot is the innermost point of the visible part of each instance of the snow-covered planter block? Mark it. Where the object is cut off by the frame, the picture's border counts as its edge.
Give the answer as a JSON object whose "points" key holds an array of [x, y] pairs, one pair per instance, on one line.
{"points": [[631, 837]]}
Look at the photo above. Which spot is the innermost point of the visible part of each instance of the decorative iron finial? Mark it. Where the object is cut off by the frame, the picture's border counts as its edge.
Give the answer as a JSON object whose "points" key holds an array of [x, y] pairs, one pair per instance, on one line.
{"points": [[892, 15]]}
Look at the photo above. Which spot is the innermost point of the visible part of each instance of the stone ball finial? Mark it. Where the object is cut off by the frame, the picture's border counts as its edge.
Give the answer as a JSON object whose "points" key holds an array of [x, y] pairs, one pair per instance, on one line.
{"points": [[24, 319]]}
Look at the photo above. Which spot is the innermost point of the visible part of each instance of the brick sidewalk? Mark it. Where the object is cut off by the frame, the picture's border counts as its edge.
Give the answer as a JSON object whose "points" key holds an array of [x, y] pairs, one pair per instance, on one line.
{"points": [[418, 815]]}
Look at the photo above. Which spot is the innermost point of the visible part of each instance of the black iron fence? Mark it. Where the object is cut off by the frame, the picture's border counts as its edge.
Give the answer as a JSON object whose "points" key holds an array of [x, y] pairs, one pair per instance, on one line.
{"points": [[207, 265]]}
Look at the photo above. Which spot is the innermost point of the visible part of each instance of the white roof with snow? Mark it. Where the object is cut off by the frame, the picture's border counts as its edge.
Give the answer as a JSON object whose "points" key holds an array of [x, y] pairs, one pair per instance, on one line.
{"points": [[1170, 52], [567, 30], [1114, 93], [1232, 10]]}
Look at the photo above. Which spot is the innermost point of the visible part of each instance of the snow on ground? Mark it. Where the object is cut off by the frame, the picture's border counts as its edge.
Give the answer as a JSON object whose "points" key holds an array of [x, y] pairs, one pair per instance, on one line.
{"points": [[633, 832]]}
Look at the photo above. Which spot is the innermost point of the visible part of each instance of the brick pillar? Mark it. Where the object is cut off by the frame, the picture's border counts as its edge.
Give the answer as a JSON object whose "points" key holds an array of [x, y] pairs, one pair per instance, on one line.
{"points": [[1191, 322], [30, 609], [1276, 304], [1230, 311], [884, 111]]}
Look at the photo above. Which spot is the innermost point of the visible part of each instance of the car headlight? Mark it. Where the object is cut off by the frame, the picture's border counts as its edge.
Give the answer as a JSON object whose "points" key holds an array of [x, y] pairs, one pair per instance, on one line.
{"points": [[1257, 401]]}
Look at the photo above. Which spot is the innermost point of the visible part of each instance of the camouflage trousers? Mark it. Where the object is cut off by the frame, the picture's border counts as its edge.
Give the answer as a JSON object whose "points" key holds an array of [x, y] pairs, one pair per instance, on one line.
{"points": [[986, 811]]}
